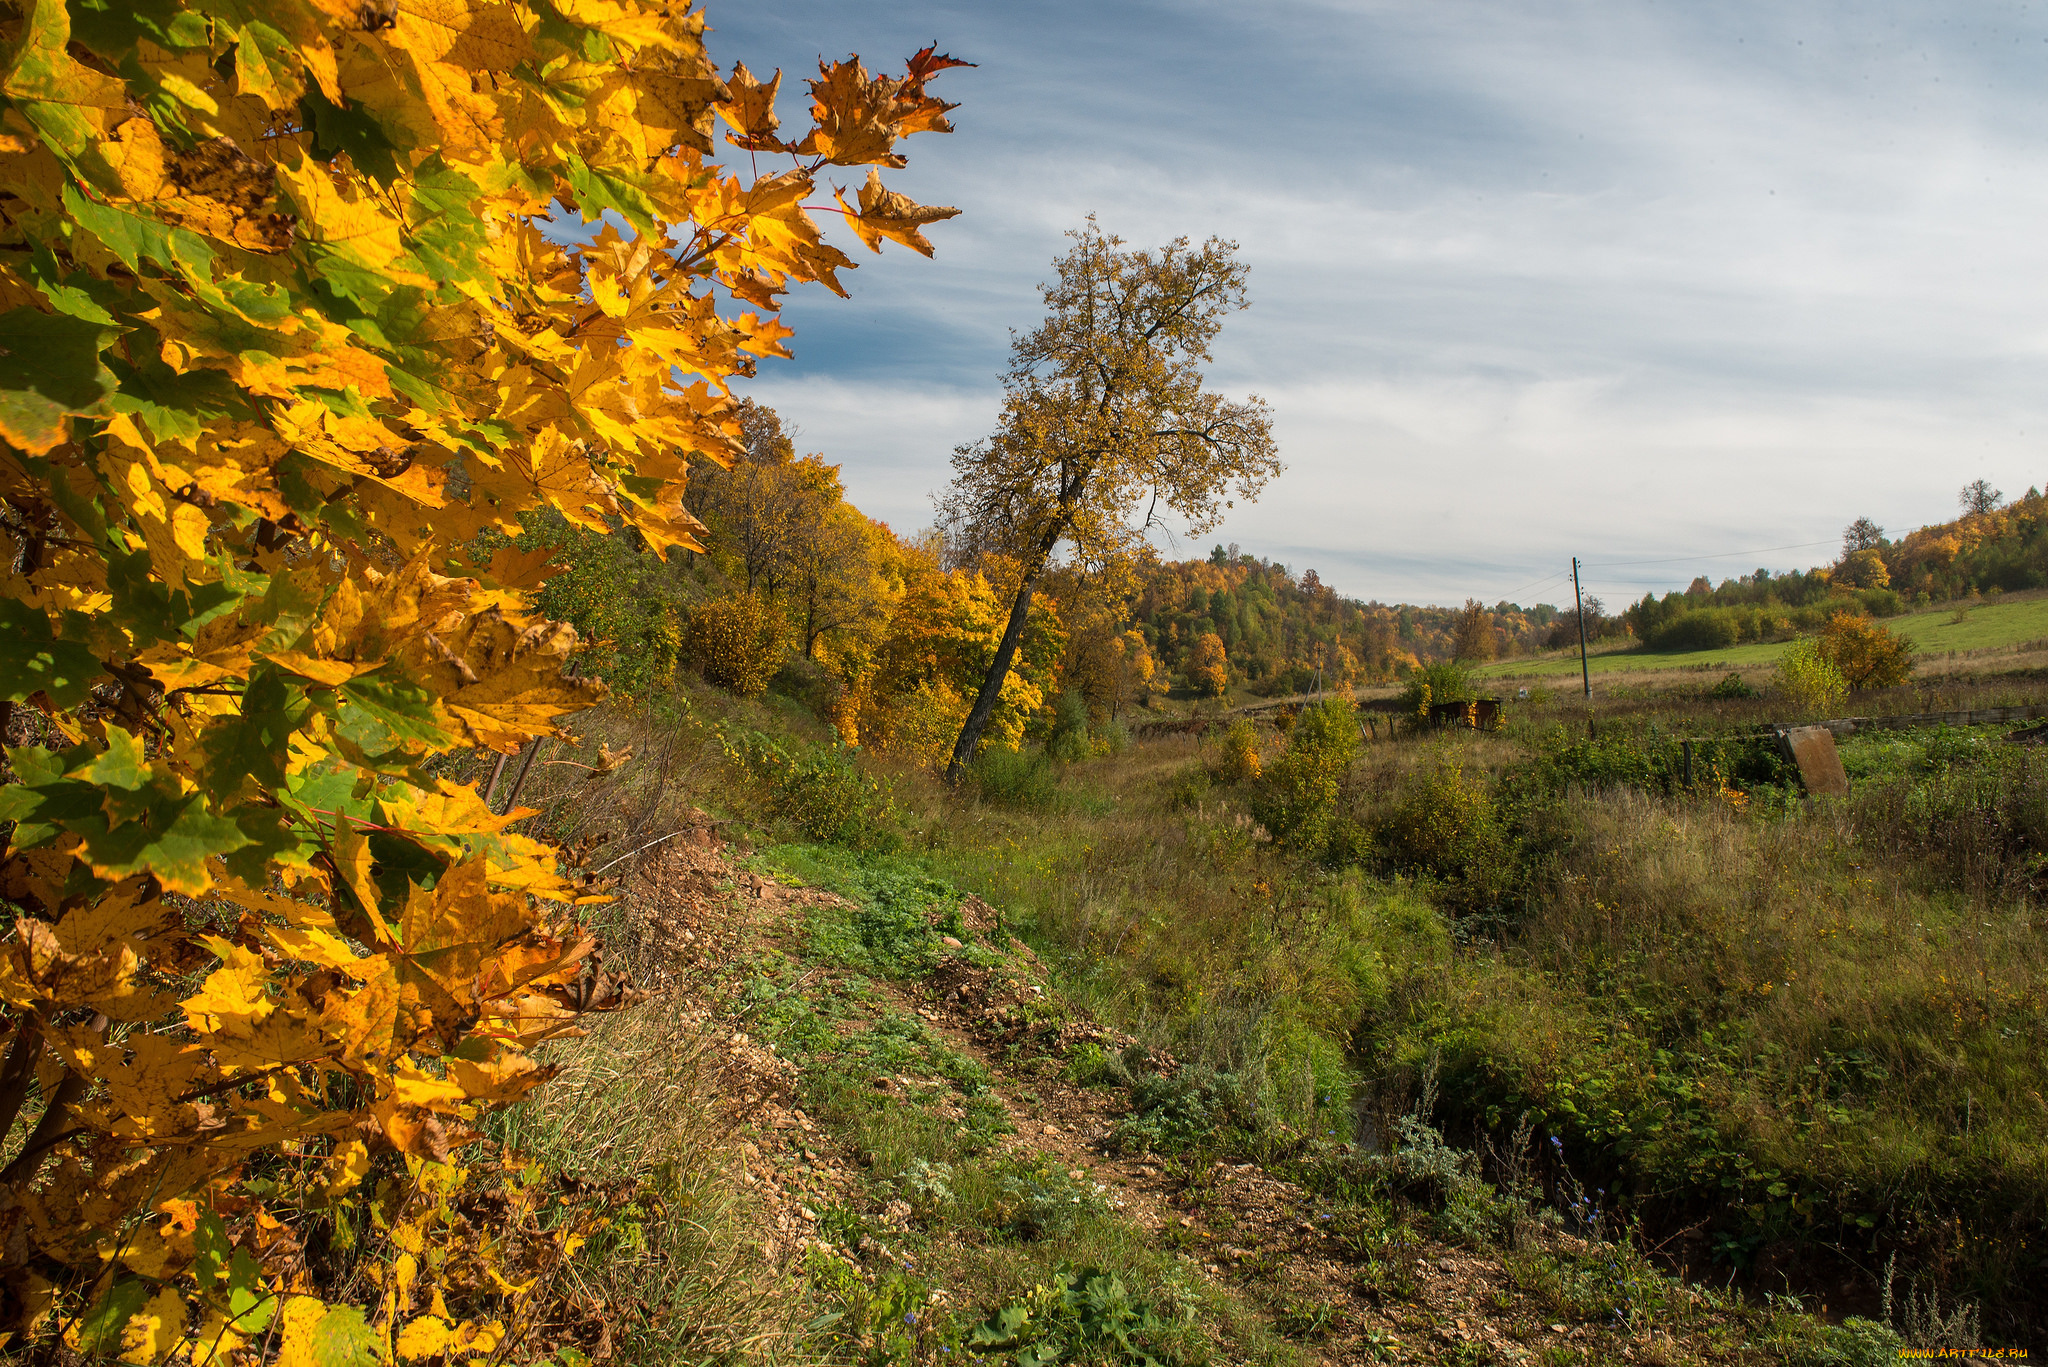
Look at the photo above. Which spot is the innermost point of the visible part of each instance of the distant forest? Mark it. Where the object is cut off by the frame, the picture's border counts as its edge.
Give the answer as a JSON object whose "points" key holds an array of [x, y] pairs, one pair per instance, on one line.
{"points": [[1279, 631]]}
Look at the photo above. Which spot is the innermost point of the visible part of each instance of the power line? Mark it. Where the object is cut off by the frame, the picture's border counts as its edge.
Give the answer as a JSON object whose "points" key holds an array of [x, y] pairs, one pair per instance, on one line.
{"points": [[1717, 555], [1540, 583]]}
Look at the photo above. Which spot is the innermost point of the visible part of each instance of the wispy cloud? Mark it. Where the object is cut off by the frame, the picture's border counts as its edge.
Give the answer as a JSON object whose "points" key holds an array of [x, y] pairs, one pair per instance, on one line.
{"points": [[1615, 278]]}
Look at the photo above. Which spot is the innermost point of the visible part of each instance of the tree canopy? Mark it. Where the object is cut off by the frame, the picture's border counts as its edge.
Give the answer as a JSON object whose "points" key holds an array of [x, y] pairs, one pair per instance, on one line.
{"points": [[299, 300], [1106, 412]]}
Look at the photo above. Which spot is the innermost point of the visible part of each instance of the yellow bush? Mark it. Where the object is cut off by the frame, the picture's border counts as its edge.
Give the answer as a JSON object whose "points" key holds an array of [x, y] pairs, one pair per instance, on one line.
{"points": [[1866, 654], [738, 643], [1808, 680], [1240, 761]]}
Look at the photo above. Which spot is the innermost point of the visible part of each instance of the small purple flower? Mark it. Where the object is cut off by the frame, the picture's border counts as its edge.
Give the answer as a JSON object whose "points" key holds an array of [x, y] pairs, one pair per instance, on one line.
{"points": [[910, 1317]]}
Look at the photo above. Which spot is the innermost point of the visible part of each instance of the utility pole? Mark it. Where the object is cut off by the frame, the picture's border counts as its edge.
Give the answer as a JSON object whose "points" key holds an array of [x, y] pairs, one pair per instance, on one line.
{"points": [[1585, 670]]}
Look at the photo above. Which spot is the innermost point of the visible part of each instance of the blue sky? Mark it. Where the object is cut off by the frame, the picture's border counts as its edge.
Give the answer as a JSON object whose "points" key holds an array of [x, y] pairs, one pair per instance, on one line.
{"points": [[1644, 282]]}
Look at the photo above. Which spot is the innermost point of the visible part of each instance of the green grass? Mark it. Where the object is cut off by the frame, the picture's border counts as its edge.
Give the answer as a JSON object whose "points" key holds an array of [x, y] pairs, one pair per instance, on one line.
{"points": [[1802, 1030], [1987, 626]]}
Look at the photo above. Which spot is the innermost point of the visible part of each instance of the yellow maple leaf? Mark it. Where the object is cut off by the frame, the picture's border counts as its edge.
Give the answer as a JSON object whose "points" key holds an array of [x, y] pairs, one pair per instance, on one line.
{"points": [[235, 996], [884, 213]]}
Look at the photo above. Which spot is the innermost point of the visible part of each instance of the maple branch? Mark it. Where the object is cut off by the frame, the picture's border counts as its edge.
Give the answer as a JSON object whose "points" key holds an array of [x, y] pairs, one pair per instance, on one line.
{"points": [[47, 1134], [689, 263], [20, 1070]]}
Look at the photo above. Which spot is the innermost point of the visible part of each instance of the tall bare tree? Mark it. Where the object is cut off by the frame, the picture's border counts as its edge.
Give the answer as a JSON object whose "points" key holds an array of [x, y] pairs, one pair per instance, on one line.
{"points": [[1861, 535], [1979, 497], [1105, 413]]}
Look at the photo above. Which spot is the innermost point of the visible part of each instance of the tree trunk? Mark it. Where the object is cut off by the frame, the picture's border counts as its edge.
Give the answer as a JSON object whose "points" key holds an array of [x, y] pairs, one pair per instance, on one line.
{"points": [[992, 683]]}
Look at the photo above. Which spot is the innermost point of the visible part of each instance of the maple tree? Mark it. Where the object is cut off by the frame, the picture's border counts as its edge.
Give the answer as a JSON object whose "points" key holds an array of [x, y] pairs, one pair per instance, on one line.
{"points": [[1105, 409], [1209, 665], [287, 332]]}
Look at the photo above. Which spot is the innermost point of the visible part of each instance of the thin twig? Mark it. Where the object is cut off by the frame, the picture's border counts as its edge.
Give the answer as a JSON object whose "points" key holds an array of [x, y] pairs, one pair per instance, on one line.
{"points": [[648, 846]]}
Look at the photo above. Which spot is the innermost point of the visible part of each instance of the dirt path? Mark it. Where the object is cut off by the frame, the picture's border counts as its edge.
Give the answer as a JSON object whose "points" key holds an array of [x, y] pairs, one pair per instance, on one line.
{"points": [[1344, 1298]]}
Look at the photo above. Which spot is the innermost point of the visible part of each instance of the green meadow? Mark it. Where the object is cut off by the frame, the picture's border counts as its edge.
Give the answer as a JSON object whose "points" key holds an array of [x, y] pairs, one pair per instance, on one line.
{"points": [[2002, 625]]}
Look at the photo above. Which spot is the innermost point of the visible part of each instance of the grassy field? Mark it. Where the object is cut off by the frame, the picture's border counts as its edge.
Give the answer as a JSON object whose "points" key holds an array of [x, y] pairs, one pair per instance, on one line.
{"points": [[1793, 1043], [2004, 625]]}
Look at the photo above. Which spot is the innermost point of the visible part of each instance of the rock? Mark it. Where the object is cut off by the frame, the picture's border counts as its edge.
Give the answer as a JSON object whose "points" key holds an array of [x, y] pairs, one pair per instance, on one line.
{"points": [[1446, 1265], [1052, 1129], [950, 943], [807, 1213]]}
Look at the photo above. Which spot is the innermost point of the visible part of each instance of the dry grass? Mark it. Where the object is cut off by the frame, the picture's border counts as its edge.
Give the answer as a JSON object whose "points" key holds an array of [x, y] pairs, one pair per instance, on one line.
{"points": [[634, 1104]]}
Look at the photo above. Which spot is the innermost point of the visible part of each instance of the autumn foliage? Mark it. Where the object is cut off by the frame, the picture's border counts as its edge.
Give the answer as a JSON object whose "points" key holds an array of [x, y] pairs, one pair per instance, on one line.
{"points": [[286, 337], [1865, 653], [1209, 666], [737, 642]]}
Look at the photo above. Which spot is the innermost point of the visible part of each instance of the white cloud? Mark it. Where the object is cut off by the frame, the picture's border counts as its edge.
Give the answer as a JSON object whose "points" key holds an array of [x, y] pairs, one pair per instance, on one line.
{"points": [[1626, 278]]}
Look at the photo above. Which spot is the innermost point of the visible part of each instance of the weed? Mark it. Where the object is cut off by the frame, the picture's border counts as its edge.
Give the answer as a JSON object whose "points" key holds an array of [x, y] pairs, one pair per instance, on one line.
{"points": [[1083, 1315], [821, 791], [1027, 1198], [1299, 1318], [1178, 1113], [1017, 778]]}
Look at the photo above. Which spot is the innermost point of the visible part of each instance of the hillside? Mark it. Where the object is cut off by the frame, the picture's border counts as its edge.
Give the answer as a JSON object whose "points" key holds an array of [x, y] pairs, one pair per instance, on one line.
{"points": [[2004, 624], [1328, 1092], [910, 1138]]}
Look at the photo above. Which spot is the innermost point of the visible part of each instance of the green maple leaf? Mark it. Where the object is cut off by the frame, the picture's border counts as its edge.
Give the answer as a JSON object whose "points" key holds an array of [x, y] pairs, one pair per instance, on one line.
{"points": [[33, 660], [253, 746], [50, 370]]}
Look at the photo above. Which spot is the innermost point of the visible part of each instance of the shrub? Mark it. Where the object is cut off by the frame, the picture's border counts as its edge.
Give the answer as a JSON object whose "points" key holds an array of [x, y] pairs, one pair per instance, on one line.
{"points": [[822, 792], [737, 643], [1188, 786], [1443, 824], [1700, 629], [1297, 798], [1731, 687], [1015, 778], [1439, 681], [620, 598], [1068, 740], [1808, 680], [1864, 653], [1239, 762]]}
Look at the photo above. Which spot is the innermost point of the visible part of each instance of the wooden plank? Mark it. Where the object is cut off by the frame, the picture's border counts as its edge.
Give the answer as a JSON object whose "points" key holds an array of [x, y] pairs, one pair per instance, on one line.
{"points": [[1812, 748]]}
